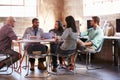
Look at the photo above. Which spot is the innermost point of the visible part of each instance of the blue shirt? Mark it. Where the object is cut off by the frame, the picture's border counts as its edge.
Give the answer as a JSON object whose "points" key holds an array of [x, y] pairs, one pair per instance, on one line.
{"points": [[31, 32], [95, 36]]}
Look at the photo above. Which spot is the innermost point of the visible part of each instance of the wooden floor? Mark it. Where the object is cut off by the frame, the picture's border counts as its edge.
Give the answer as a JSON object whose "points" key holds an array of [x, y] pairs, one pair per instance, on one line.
{"points": [[109, 72]]}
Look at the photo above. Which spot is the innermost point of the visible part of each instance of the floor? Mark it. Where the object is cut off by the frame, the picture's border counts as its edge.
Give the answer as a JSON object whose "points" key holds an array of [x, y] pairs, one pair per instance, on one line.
{"points": [[108, 72]]}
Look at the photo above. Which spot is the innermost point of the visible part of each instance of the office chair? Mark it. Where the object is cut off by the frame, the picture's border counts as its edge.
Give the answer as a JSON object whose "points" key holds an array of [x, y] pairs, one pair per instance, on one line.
{"points": [[88, 57], [37, 54], [67, 56], [6, 69]]}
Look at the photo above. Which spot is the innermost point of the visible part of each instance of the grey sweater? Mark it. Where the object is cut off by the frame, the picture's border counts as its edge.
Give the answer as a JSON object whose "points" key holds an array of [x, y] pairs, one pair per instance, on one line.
{"points": [[70, 39]]}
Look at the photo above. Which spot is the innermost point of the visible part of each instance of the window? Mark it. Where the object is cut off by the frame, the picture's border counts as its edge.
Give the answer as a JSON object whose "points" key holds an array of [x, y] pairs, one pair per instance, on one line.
{"points": [[11, 2], [101, 7], [18, 8]]}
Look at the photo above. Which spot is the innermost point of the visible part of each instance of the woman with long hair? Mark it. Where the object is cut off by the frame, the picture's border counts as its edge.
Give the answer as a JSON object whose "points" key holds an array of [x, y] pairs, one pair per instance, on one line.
{"points": [[58, 31], [69, 38]]}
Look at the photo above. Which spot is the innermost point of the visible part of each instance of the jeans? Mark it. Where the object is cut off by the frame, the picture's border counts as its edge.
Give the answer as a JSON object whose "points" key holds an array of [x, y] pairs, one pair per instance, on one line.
{"points": [[37, 47], [53, 47]]}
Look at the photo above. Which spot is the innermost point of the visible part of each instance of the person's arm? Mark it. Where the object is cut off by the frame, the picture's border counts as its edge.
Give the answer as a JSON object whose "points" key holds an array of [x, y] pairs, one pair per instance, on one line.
{"points": [[84, 33], [98, 38], [88, 43], [65, 34], [63, 37], [50, 30], [96, 41], [11, 34], [41, 32], [25, 34], [85, 43]]}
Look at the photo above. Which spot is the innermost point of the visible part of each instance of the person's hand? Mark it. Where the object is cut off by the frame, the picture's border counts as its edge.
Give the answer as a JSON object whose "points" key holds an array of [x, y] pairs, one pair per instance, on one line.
{"points": [[56, 39], [33, 37], [19, 39], [81, 43], [53, 36]]}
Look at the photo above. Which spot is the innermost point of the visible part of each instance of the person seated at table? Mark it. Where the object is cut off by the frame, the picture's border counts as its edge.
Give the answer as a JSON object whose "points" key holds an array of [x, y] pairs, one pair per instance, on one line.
{"points": [[69, 38], [95, 36], [57, 31], [35, 32], [7, 34]]}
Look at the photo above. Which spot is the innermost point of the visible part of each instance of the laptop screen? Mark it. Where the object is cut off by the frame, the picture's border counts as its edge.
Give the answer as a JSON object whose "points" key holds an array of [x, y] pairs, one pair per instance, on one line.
{"points": [[46, 36]]}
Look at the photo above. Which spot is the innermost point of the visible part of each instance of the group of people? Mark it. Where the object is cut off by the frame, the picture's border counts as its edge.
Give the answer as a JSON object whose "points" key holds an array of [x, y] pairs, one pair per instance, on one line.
{"points": [[68, 36]]}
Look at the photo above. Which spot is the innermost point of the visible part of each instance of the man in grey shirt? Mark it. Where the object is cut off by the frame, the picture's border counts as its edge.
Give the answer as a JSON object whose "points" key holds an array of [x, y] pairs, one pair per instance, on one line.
{"points": [[6, 36]]}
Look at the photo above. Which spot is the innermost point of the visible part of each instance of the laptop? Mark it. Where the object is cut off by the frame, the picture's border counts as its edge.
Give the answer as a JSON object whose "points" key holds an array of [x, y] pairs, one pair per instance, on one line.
{"points": [[47, 36]]}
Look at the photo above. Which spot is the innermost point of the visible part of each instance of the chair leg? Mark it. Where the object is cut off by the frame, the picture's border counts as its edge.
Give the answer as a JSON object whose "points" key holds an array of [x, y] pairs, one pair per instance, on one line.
{"points": [[26, 60], [68, 71], [89, 66], [88, 60], [49, 62], [89, 56], [12, 66], [27, 69], [76, 54], [30, 76], [7, 69], [75, 57], [118, 63]]}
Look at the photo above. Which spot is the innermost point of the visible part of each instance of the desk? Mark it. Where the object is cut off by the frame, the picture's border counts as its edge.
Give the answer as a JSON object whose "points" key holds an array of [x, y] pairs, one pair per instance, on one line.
{"points": [[27, 41], [113, 38], [105, 37], [30, 41]]}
